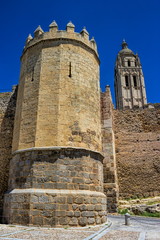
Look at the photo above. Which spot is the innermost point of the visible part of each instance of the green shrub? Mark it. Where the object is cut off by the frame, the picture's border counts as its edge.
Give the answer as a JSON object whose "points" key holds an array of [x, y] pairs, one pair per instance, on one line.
{"points": [[147, 214], [123, 211]]}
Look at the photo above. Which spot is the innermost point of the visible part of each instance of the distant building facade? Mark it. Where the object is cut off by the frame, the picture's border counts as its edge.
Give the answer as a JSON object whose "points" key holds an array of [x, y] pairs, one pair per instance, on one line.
{"points": [[129, 80]]}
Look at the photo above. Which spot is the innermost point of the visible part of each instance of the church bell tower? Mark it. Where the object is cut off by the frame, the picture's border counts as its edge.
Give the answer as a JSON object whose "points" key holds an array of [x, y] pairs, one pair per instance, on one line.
{"points": [[129, 83]]}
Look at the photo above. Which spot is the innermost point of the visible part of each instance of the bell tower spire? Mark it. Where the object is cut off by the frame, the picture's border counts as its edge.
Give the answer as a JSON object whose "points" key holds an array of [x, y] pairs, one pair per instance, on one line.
{"points": [[129, 82], [124, 44]]}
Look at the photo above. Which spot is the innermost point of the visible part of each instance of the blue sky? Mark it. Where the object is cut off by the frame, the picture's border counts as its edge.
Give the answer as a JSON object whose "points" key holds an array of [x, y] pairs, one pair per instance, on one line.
{"points": [[108, 21]]}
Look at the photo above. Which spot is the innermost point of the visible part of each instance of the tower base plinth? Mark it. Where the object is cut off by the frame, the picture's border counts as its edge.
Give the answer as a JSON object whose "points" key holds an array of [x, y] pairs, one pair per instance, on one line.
{"points": [[51, 208], [55, 187]]}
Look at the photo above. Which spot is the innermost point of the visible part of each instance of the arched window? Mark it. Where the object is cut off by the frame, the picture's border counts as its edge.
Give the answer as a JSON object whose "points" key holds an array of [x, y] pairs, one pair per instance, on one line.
{"points": [[129, 63], [126, 80], [135, 81]]}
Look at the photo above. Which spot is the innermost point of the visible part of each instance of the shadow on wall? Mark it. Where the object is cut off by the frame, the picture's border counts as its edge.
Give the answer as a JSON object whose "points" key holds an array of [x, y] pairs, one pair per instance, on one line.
{"points": [[7, 113]]}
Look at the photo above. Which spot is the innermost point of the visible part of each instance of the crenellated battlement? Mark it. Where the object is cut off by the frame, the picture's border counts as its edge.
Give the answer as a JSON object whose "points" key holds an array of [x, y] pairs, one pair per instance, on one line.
{"points": [[55, 34]]}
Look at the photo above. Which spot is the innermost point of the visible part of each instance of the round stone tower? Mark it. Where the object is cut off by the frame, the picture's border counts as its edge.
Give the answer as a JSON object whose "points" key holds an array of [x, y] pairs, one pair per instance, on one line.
{"points": [[56, 173]]}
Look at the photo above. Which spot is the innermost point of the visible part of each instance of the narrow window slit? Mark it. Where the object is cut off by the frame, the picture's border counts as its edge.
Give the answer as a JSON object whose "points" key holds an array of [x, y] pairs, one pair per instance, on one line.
{"points": [[70, 70], [32, 78]]}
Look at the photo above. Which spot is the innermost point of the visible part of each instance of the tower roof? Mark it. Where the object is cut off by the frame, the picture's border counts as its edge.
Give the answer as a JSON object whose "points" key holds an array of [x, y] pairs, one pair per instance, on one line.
{"points": [[38, 29], [125, 48], [29, 37], [93, 40], [85, 30], [70, 24], [53, 24]]}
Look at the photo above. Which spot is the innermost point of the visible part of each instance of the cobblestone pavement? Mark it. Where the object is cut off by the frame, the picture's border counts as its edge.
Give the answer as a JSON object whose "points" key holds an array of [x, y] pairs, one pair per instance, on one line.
{"points": [[139, 229], [38, 233]]}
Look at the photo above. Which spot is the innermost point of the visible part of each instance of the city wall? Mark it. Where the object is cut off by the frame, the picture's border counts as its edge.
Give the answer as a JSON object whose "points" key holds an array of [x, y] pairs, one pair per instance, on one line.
{"points": [[108, 144], [7, 112], [137, 146]]}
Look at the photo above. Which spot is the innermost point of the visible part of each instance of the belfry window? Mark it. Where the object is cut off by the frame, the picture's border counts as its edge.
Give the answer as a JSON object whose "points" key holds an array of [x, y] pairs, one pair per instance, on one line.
{"points": [[129, 63], [126, 80], [135, 81]]}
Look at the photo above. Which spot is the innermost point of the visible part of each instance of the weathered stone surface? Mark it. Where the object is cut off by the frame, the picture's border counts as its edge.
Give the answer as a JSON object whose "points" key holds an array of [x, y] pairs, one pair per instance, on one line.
{"points": [[58, 213], [59, 74], [109, 162], [57, 131], [7, 112], [83, 221], [91, 221], [24, 178], [137, 134]]}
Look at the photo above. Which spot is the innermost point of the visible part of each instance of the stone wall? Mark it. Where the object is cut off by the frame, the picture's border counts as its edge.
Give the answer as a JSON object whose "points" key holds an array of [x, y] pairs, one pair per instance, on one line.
{"points": [[137, 139], [7, 111], [56, 187], [109, 162], [59, 95]]}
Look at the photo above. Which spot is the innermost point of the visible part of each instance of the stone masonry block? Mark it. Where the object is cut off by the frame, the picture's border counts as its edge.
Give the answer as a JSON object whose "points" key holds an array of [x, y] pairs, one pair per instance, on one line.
{"points": [[79, 200], [73, 221], [83, 221], [43, 199], [91, 221], [70, 214], [88, 214]]}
